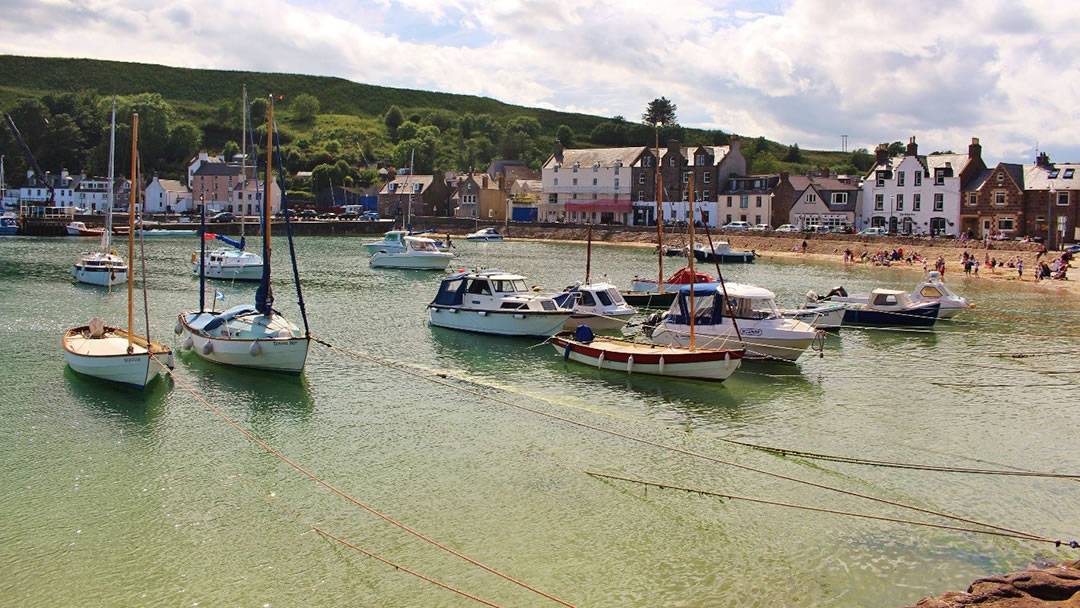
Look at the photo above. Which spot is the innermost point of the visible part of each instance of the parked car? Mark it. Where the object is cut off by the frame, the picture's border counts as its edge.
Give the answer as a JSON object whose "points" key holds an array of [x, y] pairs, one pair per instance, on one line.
{"points": [[1073, 249], [816, 228], [349, 215], [761, 227], [327, 215], [282, 213], [787, 228], [736, 226], [224, 216], [874, 231], [370, 216], [307, 214]]}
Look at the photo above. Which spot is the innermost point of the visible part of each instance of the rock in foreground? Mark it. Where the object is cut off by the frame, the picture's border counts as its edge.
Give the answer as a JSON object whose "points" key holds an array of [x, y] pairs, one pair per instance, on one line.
{"points": [[1037, 588]]}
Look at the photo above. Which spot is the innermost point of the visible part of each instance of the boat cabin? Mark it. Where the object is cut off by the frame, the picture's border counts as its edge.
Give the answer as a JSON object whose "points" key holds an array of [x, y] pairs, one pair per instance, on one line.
{"points": [[889, 299], [490, 290], [748, 302], [394, 236], [933, 288], [413, 243]]}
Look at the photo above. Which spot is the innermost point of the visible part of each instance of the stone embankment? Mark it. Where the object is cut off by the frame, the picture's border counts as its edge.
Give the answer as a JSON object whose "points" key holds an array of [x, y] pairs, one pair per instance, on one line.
{"points": [[1057, 586]]}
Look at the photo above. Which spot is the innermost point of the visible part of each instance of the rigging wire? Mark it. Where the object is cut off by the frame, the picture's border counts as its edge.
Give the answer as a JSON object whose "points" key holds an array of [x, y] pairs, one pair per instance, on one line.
{"points": [[409, 370], [328, 486]]}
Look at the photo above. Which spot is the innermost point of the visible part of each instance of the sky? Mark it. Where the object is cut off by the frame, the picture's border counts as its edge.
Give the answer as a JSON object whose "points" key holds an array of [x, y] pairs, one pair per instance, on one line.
{"points": [[794, 71]]}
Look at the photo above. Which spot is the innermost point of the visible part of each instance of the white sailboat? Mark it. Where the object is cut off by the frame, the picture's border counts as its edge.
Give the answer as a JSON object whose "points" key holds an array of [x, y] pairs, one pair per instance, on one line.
{"points": [[105, 267], [254, 336], [233, 264], [111, 353]]}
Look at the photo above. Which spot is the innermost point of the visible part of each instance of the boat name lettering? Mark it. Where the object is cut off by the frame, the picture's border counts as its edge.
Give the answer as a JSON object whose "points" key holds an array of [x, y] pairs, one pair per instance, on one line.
{"points": [[750, 332], [132, 359]]}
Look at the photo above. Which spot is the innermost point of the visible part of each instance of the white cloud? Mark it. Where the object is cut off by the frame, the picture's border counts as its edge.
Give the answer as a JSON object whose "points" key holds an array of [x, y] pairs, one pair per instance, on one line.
{"points": [[1002, 71]]}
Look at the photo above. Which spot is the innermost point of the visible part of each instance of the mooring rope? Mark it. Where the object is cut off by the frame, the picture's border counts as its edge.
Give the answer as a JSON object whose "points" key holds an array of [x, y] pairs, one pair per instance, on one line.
{"points": [[1007, 534], [346, 496], [406, 369]]}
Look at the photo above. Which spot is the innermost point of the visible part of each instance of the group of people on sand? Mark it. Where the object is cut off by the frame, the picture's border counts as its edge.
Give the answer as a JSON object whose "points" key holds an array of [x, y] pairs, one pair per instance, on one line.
{"points": [[883, 257]]}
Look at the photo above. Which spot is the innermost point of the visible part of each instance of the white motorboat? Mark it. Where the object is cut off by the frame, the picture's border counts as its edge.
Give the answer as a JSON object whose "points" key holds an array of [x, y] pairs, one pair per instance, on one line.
{"points": [[819, 317], [104, 267], [80, 229], [495, 302], [762, 330], [420, 254], [598, 305], [392, 242], [249, 336], [232, 264], [161, 232], [110, 353], [98, 268], [484, 234], [933, 289]]}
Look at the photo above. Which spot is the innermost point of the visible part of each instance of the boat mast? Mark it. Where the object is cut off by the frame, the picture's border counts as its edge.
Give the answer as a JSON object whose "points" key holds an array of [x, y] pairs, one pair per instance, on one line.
{"points": [[131, 229], [264, 295], [690, 230], [588, 255], [412, 165], [243, 160], [106, 238], [659, 216]]}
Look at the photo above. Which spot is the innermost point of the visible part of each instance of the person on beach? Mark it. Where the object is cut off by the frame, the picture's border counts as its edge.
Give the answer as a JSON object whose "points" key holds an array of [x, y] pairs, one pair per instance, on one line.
{"points": [[1019, 268], [993, 265], [804, 246], [1041, 252], [975, 268]]}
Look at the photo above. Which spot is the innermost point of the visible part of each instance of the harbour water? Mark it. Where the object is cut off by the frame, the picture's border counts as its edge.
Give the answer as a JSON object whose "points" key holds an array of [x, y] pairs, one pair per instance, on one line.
{"points": [[113, 497]]}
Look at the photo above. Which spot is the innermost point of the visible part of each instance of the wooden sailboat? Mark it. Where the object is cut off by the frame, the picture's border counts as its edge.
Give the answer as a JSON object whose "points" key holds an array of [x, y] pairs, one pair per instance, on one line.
{"points": [[105, 267], [111, 353], [672, 361], [249, 336]]}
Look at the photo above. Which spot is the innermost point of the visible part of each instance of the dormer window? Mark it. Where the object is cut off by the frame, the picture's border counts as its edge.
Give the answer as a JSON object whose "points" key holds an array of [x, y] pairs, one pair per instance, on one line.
{"points": [[939, 177], [699, 160], [1000, 178], [1053, 173], [1068, 174], [416, 187], [646, 161], [393, 186], [555, 168], [671, 161], [595, 167], [576, 166], [618, 165]]}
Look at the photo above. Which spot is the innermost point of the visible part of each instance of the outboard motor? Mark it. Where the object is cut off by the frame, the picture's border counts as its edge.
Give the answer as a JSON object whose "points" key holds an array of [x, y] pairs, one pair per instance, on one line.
{"points": [[836, 291], [811, 297]]}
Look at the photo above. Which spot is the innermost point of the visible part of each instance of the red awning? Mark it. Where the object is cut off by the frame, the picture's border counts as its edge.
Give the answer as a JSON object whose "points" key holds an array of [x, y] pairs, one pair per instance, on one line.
{"points": [[601, 205]]}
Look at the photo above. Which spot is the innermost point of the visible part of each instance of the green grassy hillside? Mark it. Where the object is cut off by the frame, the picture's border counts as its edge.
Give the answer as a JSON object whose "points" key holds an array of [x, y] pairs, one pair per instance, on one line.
{"points": [[195, 108]]}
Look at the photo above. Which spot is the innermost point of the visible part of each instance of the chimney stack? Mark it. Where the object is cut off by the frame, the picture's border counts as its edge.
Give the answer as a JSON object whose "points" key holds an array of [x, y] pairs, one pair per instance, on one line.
{"points": [[1043, 159], [558, 152], [736, 146], [912, 147], [881, 154], [975, 149]]}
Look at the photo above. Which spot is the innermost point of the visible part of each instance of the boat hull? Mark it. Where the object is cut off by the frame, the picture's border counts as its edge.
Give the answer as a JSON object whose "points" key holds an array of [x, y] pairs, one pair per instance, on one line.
{"points": [[649, 299], [282, 355], [415, 261], [389, 247], [733, 257], [923, 315], [484, 238], [103, 276], [500, 323], [608, 321], [107, 359], [246, 272], [759, 344], [826, 317], [655, 361]]}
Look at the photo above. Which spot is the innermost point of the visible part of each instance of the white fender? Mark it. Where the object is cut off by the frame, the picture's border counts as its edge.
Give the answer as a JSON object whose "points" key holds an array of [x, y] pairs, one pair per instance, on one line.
{"points": [[178, 328], [254, 349], [727, 361], [661, 364], [630, 365], [600, 361], [207, 348], [170, 361], [188, 343]]}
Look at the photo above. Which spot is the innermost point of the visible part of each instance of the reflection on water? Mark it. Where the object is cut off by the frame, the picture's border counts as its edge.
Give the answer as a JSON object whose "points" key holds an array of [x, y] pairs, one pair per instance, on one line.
{"points": [[141, 407], [274, 394]]}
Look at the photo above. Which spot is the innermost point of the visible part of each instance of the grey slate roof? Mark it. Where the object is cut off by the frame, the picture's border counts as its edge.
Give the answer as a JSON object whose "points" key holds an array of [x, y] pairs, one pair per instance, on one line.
{"points": [[607, 157], [1038, 178], [212, 169]]}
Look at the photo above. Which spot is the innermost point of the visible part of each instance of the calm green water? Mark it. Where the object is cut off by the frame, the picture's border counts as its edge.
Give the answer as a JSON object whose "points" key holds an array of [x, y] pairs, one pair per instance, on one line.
{"points": [[115, 498]]}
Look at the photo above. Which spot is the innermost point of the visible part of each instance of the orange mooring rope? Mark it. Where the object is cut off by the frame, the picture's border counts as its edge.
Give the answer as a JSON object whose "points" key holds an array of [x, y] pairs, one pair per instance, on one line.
{"points": [[349, 498]]}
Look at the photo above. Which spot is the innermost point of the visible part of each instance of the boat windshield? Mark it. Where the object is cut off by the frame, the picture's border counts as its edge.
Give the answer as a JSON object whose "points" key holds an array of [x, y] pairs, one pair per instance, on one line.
{"points": [[615, 295], [754, 308], [422, 246], [604, 298], [510, 285], [929, 291]]}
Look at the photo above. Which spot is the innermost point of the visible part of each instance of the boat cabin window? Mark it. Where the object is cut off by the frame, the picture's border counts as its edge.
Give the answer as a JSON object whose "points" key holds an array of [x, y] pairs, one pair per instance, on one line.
{"points": [[479, 286], [746, 308], [421, 246], [604, 298], [547, 304], [587, 299], [513, 305], [615, 296], [930, 292], [510, 286], [884, 299]]}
